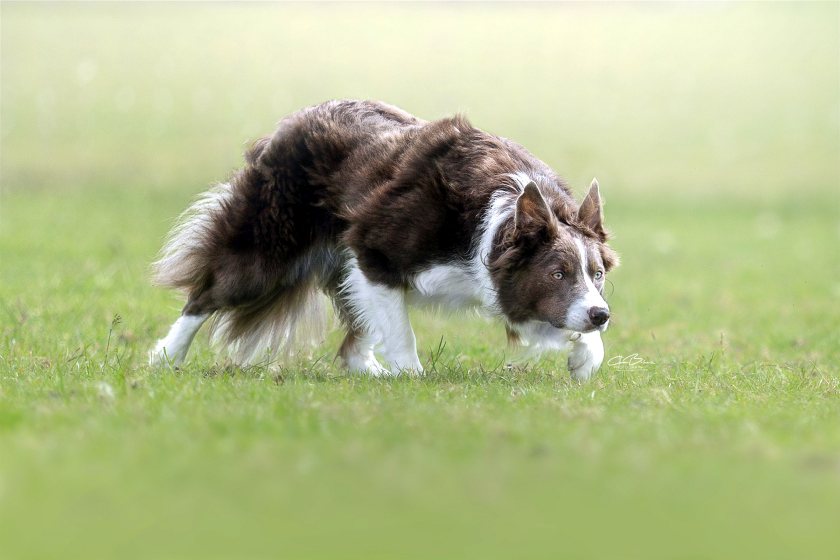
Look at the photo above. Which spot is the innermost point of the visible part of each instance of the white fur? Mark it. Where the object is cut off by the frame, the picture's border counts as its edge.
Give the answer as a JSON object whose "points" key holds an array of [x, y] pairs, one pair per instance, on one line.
{"points": [[173, 347], [521, 180], [186, 240], [501, 207], [586, 350], [295, 323], [586, 355], [380, 311], [470, 285], [577, 317], [540, 336], [382, 315], [284, 329], [361, 359], [446, 285]]}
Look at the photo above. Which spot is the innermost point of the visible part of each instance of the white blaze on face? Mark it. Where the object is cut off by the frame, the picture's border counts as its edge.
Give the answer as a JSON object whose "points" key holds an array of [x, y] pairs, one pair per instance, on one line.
{"points": [[577, 318]]}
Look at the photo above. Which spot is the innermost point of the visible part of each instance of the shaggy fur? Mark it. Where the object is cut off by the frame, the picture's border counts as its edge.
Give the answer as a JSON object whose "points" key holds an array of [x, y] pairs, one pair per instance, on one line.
{"points": [[363, 186]]}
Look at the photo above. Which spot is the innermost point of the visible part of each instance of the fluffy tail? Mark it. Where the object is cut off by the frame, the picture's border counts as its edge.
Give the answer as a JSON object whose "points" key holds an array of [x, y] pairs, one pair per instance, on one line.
{"points": [[182, 262], [260, 312], [278, 328]]}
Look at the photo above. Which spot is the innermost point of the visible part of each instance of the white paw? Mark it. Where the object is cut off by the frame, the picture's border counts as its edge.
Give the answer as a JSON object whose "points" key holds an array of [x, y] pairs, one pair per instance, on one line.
{"points": [[408, 364], [375, 369], [411, 371], [586, 356], [365, 364], [172, 349], [159, 356]]}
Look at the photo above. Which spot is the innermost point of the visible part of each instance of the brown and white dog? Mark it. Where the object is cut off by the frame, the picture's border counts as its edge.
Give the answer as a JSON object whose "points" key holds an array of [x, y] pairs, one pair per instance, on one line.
{"points": [[379, 209]]}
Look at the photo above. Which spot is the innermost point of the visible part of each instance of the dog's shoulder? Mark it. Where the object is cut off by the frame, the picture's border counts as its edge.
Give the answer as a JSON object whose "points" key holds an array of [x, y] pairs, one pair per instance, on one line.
{"points": [[429, 209]]}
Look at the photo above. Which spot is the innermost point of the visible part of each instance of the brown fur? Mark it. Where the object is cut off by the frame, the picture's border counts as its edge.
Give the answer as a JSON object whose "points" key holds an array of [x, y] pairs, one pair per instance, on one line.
{"points": [[399, 192]]}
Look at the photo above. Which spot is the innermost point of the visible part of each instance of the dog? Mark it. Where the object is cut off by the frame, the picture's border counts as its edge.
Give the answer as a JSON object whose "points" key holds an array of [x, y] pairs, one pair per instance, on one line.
{"points": [[379, 209]]}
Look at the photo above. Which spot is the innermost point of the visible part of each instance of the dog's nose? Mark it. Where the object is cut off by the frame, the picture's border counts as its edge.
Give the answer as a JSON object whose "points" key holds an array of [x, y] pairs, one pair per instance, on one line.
{"points": [[599, 315]]}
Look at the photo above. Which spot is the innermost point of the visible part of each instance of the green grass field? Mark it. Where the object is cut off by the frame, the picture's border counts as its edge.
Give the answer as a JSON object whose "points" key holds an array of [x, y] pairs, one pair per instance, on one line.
{"points": [[714, 130]]}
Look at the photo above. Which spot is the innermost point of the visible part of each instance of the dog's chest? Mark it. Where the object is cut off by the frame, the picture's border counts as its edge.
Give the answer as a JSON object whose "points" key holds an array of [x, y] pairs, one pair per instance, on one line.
{"points": [[447, 286]]}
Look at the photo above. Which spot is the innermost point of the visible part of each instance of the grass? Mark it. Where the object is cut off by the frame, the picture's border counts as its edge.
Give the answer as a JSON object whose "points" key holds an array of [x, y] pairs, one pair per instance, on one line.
{"points": [[713, 130]]}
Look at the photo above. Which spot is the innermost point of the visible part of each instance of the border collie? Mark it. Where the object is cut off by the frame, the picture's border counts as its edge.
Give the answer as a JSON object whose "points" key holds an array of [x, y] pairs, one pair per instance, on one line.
{"points": [[379, 209]]}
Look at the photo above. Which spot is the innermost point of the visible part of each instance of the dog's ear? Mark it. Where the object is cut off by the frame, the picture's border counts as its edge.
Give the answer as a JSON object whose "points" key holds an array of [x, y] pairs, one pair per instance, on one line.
{"points": [[610, 257], [532, 213], [590, 213]]}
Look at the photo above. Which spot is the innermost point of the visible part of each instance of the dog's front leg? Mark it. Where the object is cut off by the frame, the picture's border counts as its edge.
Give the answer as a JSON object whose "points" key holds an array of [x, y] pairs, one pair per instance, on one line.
{"points": [[585, 355], [399, 346], [381, 312]]}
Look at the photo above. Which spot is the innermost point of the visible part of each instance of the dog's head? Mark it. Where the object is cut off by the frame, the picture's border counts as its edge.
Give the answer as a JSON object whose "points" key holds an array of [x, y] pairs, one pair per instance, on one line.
{"points": [[553, 270]]}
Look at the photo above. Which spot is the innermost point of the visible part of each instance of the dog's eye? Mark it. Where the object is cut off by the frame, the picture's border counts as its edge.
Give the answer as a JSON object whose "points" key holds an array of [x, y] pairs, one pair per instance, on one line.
{"points": [[599, 275], [557, 275]]}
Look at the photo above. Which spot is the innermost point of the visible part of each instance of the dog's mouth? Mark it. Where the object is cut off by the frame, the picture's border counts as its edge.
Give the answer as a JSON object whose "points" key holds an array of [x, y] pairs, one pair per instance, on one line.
{"points": [[586, 329]]}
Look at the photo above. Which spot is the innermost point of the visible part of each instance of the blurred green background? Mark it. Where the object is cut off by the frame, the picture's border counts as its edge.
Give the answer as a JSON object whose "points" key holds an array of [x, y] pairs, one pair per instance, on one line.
{"points": [[701, 100], [714, 130]]}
